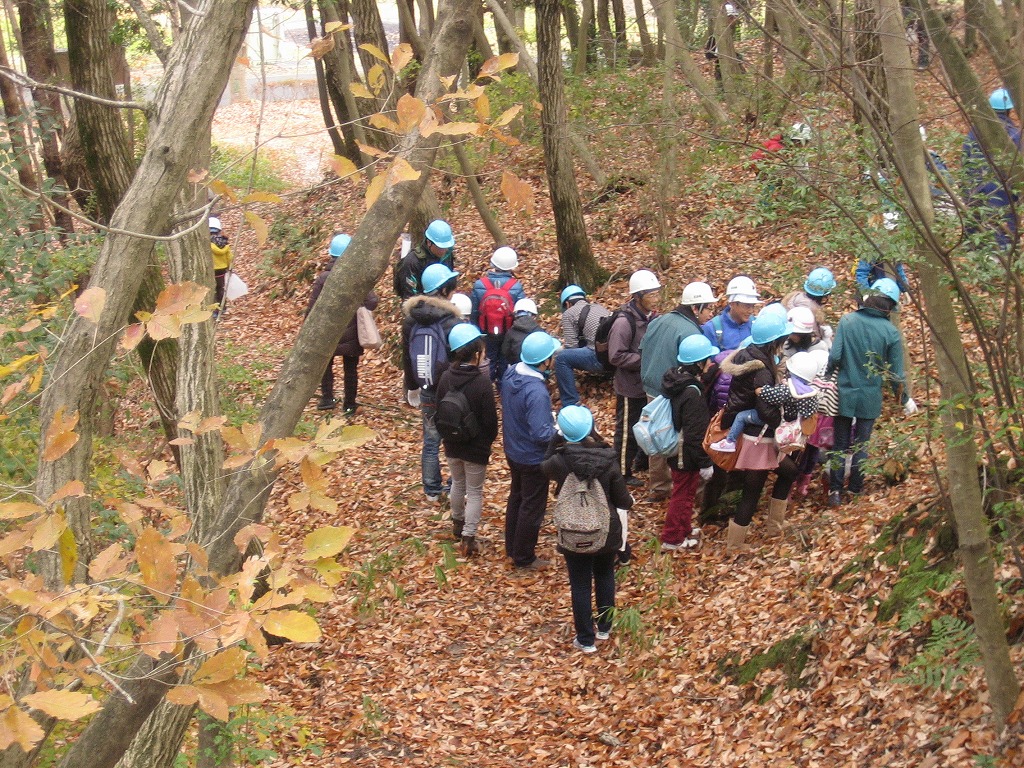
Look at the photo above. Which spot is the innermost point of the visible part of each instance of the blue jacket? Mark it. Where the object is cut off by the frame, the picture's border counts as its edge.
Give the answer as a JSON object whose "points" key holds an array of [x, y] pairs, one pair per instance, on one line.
{"points": [[732, 332], [526, 426], [498, 278]]}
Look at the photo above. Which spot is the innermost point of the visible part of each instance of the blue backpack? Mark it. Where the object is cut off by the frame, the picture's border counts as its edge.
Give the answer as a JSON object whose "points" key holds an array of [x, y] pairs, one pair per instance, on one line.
{"points": [[655, 433], [428, 351]]}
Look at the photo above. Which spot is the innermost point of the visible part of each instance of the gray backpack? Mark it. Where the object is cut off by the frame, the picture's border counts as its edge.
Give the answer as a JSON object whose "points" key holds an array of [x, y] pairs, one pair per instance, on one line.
{"points": [[582, 516]]}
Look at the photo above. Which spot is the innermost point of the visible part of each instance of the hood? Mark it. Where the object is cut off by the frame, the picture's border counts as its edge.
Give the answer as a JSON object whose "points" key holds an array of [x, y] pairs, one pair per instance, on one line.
{"points": [[676, 380], [516, 381], [461, 374], [740, 362], [527, 323], [872, 312], [427, 310], [588, 461], [218, 240]]}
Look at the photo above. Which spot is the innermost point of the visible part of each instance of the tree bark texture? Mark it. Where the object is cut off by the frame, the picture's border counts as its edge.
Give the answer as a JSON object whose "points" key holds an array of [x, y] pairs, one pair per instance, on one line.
{"points": [[999, 40], [576, 263], [958, 423], [586, 37], [604, 32], [648, 47], [104, 137], [40, 64], [333, 130], [22, 155], [705, 91], [339, 65]]}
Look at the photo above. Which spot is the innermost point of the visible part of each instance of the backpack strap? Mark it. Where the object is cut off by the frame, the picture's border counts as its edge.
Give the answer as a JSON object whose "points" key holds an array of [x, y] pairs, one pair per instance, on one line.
{"points": [[488, 285], [581, 324], [716, 323]]}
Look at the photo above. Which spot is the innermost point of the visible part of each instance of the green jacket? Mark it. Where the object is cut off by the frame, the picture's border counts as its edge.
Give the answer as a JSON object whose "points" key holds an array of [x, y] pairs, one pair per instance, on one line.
{"points": [[660, 346], [867, 350]]}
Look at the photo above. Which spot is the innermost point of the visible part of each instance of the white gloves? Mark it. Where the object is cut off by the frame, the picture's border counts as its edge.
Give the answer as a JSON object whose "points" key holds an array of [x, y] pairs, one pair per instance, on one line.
{"points": [[706, 473], [412, 397], [826, 333], [910, 407]]}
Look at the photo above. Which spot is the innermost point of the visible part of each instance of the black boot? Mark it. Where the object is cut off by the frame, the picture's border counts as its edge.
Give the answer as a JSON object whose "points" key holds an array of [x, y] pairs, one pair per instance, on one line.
{"points": [[326, 403], [457, 526], [470, 546]]}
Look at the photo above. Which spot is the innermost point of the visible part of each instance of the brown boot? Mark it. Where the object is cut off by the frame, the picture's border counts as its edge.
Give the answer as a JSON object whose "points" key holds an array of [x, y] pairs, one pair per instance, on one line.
{"points": [[736, 537], [457, 526], [776, 525], [470, 546]]}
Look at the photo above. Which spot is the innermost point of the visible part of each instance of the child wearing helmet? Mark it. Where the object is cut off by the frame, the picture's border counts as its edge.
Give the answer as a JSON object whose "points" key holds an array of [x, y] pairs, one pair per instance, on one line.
{"points": [[524, 324], [682, 384], [497, 291], [580, 451], [817, 290], [867, 352], [468, 458], [580, 318], [222, 259], [438, 247], [348, 349], [526, 430]]}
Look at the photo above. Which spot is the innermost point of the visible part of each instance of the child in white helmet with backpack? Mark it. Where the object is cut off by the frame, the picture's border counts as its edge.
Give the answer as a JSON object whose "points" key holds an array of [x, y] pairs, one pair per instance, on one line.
{"points": [[494, 298]]}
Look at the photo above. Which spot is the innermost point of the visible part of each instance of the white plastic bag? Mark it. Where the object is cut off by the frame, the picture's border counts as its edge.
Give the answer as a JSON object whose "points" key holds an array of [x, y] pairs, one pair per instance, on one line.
{"points": [[235, 288]]}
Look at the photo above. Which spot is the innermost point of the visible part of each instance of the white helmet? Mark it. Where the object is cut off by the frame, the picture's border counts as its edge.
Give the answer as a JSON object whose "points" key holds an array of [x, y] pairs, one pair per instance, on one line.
{"points": [[890, 220], [698, 293], [804, 365], [802, 319], [215, 223], [505, 259], [742, 289], [525, 305], [800, 132], [643, 280], [463, 303]]}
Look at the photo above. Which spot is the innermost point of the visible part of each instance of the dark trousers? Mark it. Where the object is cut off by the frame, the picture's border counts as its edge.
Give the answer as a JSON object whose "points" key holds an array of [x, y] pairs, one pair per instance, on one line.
{"points": [[861, 430], [627, 413], [497, 360], [220, 278], [350, 364], [753, 482], [524, 514], [585, 570]]}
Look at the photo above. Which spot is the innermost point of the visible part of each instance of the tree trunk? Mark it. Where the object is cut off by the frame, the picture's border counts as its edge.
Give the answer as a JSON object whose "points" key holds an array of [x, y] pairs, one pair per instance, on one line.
{"points": [[90, 24], [958, 424], [999, 40], [333, 130], [972, 22], [20, 151], [576, 263], [40, 65], [705, 92], [604, 32], [619, 15], [571, 19], [478, 196], [158, 742], [647, 46], [338, 70], [587, 35], [344, 290]]}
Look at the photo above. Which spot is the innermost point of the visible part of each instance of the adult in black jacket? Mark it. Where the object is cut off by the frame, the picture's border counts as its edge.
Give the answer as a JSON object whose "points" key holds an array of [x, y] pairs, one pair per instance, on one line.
{"points": [[467, 459], [751, 369], [690, 416], [578, 451]]}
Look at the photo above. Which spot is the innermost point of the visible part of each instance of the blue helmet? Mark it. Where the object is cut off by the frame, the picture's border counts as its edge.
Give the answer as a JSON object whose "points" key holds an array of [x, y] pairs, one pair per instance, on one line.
{"points": [[821, 282], [775, 309], [440, 234], [887, 287], [569, 292], [538, 347], [695, 348], [462, 334], [576, 422], [768, 327], [1000, 100], [338, 245], [434, 276]]}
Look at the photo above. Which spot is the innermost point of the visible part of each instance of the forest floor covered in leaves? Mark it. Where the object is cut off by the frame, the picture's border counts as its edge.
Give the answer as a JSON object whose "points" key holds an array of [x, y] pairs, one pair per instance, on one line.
{"points": [[790, 655]]}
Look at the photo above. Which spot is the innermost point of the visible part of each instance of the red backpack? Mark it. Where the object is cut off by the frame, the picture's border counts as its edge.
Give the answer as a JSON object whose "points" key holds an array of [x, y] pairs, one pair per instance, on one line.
{"points": [[495, 312]]}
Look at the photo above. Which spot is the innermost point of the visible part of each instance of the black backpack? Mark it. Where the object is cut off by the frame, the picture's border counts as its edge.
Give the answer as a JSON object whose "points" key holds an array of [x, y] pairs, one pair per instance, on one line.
{"points": [[604, 327], [454, 419]]}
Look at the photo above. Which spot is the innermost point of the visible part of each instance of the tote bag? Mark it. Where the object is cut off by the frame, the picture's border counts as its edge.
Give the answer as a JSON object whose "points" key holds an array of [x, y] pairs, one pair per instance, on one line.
{"points": [[726, 461], [366, 329]]}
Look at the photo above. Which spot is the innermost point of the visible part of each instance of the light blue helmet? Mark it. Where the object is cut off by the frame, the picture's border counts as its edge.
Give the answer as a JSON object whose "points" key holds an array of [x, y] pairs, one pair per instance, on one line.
{"points": [[695, 348], [887, 287], [440, 234], [435, 276], [821, 282], [775, 309], [571, 291], [538, 347], [576, 422], [462, 334], [338, 245], [769, 326], [1000, 100]]}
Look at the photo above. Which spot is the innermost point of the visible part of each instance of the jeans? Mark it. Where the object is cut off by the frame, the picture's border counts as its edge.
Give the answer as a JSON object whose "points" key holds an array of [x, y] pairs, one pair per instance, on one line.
{"points": [[568, 360], [861, 435], [679, 516], [430, 459], [743, 418], [524, 513], [627, 413], [585, 570], [467, 493]]}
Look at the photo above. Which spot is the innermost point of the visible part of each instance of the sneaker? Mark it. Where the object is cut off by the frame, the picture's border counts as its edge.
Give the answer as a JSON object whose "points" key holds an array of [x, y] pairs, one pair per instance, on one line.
{"points": [[326, 404], [433, 497], [691, 543], [835, 499], [602, 635], [585, 648], [537, 565], [725, 445], [669, 547]]}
